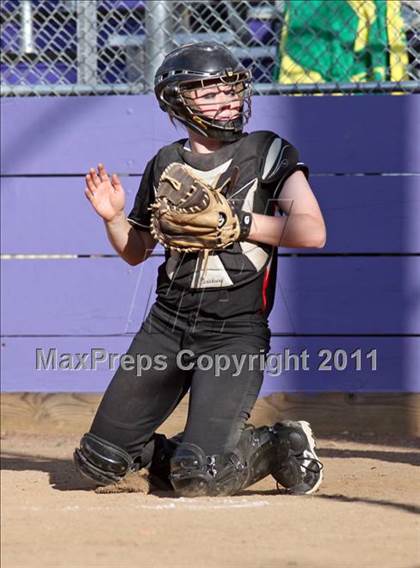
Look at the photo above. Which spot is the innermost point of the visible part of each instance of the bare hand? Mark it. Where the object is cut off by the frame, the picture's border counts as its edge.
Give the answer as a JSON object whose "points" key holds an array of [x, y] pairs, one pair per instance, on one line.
{"points": [[105, 194]]}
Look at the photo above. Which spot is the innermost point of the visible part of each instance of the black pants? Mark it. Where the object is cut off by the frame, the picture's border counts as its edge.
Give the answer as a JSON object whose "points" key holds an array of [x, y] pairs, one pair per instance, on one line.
{"points": [[222, 391]]}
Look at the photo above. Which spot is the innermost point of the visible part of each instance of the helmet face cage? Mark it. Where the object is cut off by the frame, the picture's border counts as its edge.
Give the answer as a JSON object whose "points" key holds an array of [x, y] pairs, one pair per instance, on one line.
{"points": [[200, 110], [180, 102]]}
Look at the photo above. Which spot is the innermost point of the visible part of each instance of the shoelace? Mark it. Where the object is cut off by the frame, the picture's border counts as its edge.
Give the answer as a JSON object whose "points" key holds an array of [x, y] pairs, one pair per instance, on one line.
{"points": [[313, 461]]}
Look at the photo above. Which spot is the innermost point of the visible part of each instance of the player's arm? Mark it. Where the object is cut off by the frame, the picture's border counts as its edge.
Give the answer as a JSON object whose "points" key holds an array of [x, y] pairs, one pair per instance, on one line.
{"points": [[107, 196], [302, 225], [133, 245]]}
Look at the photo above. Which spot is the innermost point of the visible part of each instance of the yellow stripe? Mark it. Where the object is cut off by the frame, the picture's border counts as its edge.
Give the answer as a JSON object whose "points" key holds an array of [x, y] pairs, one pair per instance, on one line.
{"points": [[285, 32], [398, 58], [382, 72], [359, 77], [292, 72], [366, 12]]}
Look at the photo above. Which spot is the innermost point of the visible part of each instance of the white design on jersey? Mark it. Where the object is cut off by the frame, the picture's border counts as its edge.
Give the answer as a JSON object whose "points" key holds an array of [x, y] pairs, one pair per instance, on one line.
{"points": [[242, 188], [172, 264], [279, 163], [248, 204], [211, 176], [215, 276], [272, 156], [133, 222], [255, 254]]}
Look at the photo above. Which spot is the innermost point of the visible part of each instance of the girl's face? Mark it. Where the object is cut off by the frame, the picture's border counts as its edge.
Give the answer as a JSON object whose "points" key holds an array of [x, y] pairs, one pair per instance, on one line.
{"points": [[220, 102]]}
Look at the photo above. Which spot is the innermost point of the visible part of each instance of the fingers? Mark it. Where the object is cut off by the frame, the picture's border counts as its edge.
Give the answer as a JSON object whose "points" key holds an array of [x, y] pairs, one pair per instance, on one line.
{"points": [[90, 184], [95, 178], [116, 183], [89, 195], [103, 176], [92, 180]]}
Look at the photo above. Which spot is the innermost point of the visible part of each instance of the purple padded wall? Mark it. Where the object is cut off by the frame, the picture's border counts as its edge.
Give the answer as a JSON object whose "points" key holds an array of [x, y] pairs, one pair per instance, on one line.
{"points": [[364, 214], [59, 135], [19, 357], [105, 296]]}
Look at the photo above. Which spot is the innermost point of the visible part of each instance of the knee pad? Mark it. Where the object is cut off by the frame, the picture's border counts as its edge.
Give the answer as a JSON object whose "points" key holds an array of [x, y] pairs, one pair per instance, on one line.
{"points": [[258, 448], [102, 461], [195, 474]]}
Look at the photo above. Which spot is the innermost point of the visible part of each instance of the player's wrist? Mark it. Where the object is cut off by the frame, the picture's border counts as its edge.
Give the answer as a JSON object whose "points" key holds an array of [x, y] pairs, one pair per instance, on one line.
{"points": [[245, 224], [244, 221], [116, 219]]}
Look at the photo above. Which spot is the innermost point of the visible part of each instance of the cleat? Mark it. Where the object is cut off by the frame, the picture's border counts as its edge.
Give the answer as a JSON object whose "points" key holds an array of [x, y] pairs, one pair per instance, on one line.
{"points": [[297, 467]]}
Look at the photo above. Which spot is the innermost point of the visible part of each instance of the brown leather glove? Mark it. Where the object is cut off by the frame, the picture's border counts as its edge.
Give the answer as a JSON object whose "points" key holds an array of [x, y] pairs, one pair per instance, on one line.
{"points": [[189, 215]]}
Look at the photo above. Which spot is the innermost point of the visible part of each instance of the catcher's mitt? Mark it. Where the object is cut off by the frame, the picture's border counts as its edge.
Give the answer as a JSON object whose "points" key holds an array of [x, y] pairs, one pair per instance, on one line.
{"points": [[189, 215]]}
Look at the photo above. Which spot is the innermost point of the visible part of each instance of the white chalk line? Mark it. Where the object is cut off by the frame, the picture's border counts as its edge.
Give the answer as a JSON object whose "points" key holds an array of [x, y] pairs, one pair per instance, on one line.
{"points": [[180, 504], [194, 506]]}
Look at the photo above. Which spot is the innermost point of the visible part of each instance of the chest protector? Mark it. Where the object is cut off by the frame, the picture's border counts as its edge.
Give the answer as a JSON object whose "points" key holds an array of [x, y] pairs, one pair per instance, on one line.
{"points": [[241, 168]]}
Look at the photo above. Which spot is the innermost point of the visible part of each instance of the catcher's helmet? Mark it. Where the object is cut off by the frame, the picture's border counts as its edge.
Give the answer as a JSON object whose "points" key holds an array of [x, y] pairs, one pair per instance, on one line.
{"points": [[195, 66]]}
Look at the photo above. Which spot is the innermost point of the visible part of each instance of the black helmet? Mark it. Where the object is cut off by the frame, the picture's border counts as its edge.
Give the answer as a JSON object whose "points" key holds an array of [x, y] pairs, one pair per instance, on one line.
{"points": [[198, 65]]}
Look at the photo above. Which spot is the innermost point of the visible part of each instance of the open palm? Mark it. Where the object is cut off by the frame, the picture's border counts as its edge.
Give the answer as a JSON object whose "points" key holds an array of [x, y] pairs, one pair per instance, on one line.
{"points": [[105, 194]]}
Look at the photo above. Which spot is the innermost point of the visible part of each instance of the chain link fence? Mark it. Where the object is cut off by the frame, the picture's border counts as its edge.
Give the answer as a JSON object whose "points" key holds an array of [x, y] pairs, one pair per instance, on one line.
{"points": [[78, 47]]}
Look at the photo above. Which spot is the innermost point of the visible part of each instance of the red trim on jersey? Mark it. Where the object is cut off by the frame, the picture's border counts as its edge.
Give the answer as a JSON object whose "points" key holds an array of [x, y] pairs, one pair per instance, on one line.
{"points": [[265, 286]]}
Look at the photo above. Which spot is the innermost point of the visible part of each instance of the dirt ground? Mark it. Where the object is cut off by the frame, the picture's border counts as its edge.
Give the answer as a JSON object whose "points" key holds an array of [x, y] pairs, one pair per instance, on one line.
{"points": [[366, 514]]}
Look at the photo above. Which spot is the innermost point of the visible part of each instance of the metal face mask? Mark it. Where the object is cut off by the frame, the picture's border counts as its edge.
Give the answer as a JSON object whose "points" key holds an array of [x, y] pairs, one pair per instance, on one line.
{"points": [[206, 89]]}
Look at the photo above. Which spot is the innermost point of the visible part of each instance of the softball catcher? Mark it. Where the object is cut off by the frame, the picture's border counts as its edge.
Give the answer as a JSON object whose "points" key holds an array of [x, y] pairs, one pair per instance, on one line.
{"points": [[210, 199]]}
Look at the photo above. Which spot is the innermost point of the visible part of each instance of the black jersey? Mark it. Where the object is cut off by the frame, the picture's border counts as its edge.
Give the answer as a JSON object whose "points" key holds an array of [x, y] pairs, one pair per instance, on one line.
{"points": [[239, 280]]}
